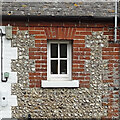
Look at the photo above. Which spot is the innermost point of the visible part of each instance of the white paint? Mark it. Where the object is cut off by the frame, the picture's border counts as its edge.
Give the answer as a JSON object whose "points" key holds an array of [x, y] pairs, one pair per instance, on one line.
{"points": [[59, 84], [58, 77], [5, 87], [4, 98]]}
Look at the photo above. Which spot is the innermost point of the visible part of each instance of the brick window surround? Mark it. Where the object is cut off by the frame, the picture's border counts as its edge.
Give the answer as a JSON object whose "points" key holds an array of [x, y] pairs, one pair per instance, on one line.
{"points": [[39, 53]]}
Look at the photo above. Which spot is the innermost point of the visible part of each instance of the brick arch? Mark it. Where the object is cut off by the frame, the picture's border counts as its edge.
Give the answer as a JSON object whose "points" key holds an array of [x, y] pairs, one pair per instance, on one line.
{"points": [[60, 33]]}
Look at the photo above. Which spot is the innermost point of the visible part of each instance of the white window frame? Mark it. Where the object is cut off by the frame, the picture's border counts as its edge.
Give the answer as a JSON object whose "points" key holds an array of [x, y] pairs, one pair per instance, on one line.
{"points": [[59, 77], [59, 80]]}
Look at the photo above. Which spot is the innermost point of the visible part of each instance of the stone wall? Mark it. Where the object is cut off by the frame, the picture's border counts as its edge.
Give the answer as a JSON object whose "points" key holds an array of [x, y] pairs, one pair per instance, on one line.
{"points": [[95, 65]]}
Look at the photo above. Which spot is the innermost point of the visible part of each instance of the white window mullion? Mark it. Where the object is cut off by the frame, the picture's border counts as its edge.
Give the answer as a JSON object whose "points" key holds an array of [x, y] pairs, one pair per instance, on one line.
{"points": [[59, 58]]}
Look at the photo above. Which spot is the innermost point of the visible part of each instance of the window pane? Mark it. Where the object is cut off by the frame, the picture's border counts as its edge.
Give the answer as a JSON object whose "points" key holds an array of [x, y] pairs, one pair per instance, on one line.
{"points": [[54, 50], [54, 66], [63, 66], [63, 50]]}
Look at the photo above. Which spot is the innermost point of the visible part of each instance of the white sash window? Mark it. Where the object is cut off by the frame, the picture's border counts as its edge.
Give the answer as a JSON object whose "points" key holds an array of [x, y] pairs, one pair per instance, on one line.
{"points": [[59, 60]]}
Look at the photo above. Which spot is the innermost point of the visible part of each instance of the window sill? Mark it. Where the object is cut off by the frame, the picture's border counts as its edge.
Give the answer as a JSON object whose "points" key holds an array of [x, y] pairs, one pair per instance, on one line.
{"points": [[59, 84]]}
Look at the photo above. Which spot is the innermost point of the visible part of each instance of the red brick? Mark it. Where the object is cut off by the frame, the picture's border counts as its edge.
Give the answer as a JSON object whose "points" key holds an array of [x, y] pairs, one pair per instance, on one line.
{"points": [[38, 53], [84, 82], [23, 28], [78, 45], [87, 78], [60, 33], [75, 78], [37, 41], [35, 78], [14, 28], [84, 74], [40, 37], [37, 65], [31, 28], [44, 49], [44, 74], [75, 57], [85, 49], [34, 57], [107, 57], [87, 53], [14, 32], [110, 53], [41, 61], [78, 70], [38, 84], [41, 70], [107, 49], [69, 33], [79, 41], [34, 32], [106, 29], [41, 41], [78, 62], [80, 37], [75, 66], [84, 85], [31, 53], [32, 74], [110, 65], [31, 85], [40, 45], [44, 56], [117, 57], [97, 29], [86, 58], [40, 29], [114, 45], [113, 61], [111, 37], [34, 49], [75, 49], [74, 74], [88, 29], [81, 29]]}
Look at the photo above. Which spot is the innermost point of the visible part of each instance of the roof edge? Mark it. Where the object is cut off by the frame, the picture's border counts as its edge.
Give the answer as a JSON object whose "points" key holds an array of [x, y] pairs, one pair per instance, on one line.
{"points": [[55, 18]]}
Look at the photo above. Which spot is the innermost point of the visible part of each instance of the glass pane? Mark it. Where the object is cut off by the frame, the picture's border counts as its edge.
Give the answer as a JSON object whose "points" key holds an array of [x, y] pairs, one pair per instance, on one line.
{"points": [[54, 66], [63, 66], [63, 50], [54, 50]]}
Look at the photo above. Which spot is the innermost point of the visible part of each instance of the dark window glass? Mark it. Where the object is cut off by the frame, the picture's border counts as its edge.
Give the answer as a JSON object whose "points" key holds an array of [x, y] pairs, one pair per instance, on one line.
{"points": [[63, 50], [54, 66], [63, 66], [54, 50]]}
